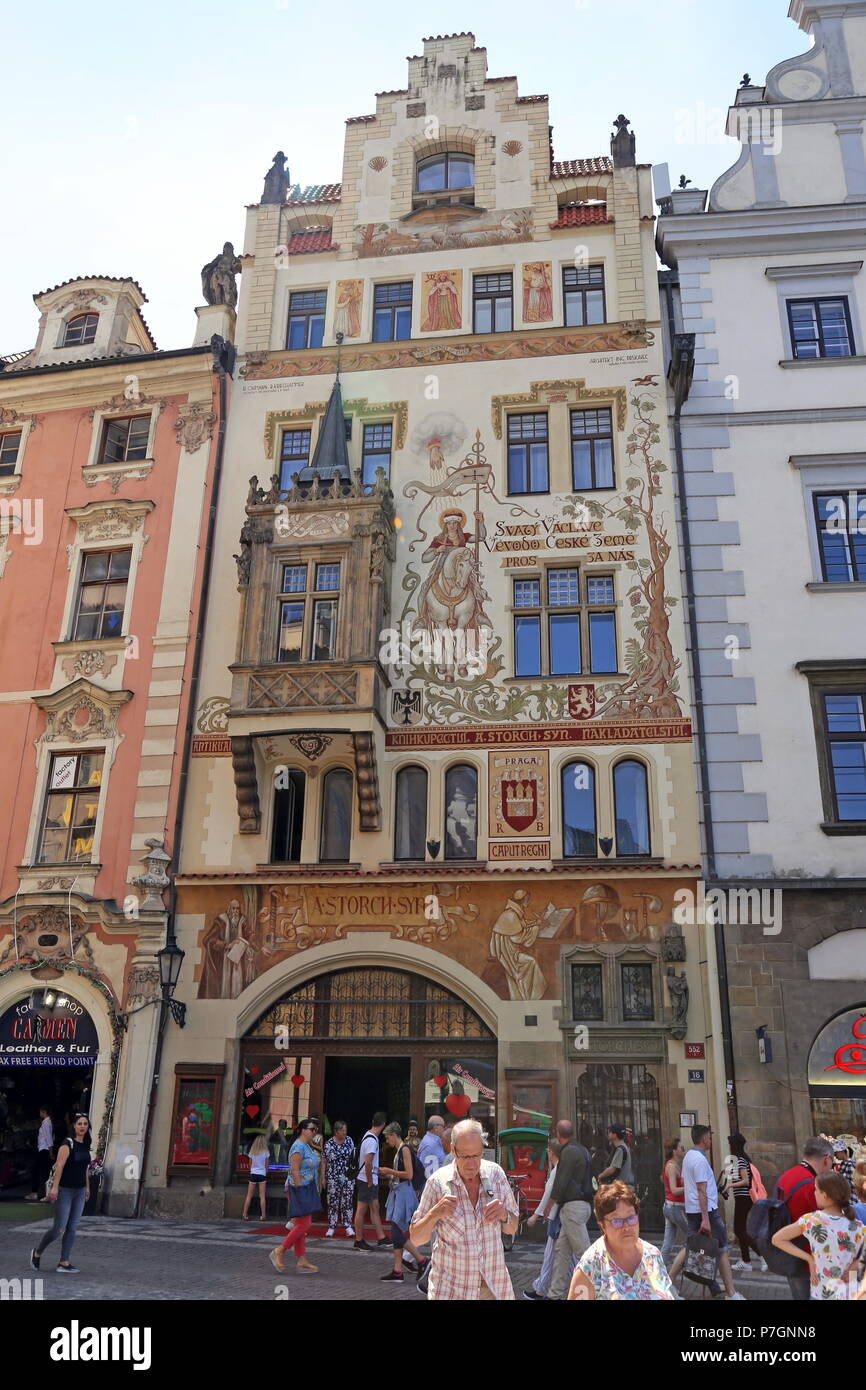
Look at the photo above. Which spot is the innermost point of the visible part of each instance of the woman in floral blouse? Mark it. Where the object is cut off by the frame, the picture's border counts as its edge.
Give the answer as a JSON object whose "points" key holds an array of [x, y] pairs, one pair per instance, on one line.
{"points": [[339, 1153], [834, 1235], [620, 1265]]}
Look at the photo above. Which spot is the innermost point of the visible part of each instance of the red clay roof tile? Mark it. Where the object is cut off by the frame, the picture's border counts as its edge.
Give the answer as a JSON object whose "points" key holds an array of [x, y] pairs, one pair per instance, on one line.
{"points": [[594, 215]]}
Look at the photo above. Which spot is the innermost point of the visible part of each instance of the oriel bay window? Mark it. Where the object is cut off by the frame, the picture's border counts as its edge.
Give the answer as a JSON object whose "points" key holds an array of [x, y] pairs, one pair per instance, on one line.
{"points": [[461, 813], [71, 805], [308, 612], [578, 811], [306, 327], [631, 808], [101, 595], [591, 449], [335, 837], [564, 624], [528, 453], [583, 295], [288, 823], [410, 813]]}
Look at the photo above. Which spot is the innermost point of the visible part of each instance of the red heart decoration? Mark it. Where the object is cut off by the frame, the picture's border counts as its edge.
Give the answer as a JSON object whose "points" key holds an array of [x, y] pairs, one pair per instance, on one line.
{"points": [[254, 1071], [440, 1081], [458, 1105], [298, 1080], [251, 1110]]}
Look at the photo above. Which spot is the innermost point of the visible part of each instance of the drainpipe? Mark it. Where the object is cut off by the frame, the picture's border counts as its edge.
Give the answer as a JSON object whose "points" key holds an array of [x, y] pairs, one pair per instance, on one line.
{"points": [[223, 364], [680, 374]]}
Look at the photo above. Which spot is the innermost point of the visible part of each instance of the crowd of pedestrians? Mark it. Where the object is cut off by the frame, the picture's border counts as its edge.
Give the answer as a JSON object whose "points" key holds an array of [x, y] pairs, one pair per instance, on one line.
{"points": [[443, 1192]]}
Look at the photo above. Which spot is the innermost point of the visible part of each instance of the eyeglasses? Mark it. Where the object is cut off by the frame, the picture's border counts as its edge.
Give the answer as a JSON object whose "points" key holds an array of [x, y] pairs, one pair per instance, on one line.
{"points": [[469, 1157], [619, 1221]]}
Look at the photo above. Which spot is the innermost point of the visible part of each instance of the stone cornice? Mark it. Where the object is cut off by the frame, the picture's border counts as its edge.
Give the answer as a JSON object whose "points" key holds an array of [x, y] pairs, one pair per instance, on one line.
{"points": [[87, 386], [763, 231]]}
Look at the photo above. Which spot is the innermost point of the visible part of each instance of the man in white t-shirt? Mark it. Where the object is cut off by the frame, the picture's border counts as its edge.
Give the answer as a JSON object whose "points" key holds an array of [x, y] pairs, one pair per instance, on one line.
{"points": [[368, 1186], [701, 1199]]}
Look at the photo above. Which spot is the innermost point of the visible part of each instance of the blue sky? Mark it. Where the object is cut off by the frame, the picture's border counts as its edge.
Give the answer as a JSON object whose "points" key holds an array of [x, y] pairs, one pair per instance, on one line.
{"points": [[140, 132]]}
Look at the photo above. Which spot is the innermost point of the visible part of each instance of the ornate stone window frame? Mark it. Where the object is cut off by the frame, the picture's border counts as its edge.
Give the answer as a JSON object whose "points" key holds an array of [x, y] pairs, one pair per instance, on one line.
{"points": [[10, 422], [82, 717], [103, 525], [120, 408], [611, 955]]}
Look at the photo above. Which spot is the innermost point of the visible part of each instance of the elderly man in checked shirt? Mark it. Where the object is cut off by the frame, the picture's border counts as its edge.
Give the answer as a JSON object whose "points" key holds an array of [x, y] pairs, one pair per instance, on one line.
{"points": [[470, 1205]]}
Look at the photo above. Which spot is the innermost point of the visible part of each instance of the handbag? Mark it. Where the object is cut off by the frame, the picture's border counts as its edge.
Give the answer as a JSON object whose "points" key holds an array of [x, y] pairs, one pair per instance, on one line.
{"points": [[702, 1258], [304, 1200]]}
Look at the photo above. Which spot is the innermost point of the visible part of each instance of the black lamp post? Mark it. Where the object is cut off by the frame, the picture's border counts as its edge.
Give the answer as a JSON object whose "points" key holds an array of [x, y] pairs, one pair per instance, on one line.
{"points": [[170, 961]]}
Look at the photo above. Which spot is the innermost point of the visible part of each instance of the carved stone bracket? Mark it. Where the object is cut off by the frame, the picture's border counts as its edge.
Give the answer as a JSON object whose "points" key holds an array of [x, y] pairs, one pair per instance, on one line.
{"points": [[367, 781], [246, 784]]}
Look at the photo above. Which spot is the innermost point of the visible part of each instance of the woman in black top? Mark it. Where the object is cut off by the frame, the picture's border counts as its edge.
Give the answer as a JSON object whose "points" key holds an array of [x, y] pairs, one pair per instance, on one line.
{"points": [[70, 1189], [740, 1187]]}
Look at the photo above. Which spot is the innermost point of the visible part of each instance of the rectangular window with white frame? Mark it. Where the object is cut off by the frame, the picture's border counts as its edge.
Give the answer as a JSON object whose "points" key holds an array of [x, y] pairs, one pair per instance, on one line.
{"points": [[10, 444], [125, 440], [101, 597], [68, 823]]}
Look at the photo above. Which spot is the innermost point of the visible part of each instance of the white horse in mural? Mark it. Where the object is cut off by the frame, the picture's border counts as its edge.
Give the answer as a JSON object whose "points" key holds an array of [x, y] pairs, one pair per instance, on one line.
{"points": [[452, 596]]}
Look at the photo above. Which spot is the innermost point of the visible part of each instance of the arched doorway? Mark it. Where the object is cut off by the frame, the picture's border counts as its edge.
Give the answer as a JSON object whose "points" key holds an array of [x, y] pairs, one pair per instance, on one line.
{"points": [[624, 1093], [837, 1076], [352, 1041]]}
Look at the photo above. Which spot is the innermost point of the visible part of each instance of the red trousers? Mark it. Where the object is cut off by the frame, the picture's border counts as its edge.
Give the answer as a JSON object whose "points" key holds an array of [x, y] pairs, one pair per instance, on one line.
{"points": [[298, 1236]]}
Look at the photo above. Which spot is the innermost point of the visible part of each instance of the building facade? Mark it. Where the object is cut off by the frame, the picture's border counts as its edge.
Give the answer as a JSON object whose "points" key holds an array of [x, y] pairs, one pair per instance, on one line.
{"points": [[768, 279], [442, 794], [106, 460]]}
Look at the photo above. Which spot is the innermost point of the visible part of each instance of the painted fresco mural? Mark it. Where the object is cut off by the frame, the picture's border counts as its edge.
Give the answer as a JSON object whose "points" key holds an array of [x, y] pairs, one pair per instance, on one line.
{"points": [[465, 533], [395, 238], [510, 933]]}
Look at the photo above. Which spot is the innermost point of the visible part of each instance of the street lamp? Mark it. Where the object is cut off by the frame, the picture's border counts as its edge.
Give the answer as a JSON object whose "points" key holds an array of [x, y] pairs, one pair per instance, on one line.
{"points": [[170, 960]]}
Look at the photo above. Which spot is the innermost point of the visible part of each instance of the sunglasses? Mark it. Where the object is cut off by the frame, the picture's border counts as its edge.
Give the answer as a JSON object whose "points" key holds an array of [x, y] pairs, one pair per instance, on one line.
{"points": [[619, 1221]]}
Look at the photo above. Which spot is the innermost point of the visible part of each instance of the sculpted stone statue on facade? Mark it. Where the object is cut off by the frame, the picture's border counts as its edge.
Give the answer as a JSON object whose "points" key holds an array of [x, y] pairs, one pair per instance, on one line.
{"points": [[218, 278]]}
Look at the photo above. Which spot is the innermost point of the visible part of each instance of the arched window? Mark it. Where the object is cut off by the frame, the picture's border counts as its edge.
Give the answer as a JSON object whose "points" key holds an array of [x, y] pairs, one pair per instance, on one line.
{"points": [[631, 807], [441, 172], [335, 838], [288, 826], [461, 813], [81, 329], [578, 810], [410, 813]]}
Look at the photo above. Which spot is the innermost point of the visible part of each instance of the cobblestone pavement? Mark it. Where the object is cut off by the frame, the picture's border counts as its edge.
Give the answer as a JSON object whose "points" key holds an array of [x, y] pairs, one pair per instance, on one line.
{"points": [[228, 1260]]}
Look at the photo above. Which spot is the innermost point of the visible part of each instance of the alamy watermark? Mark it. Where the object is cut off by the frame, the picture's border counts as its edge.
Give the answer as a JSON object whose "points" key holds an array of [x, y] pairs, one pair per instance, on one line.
{"points": [[454, 651], [752, 907]]}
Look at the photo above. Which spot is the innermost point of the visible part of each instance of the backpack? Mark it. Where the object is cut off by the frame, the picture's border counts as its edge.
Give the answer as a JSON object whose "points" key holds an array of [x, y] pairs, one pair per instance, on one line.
{"points": [[419, 1177], [353, 1167], [757, 1191], [590, 1183], [769, 1215]]}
